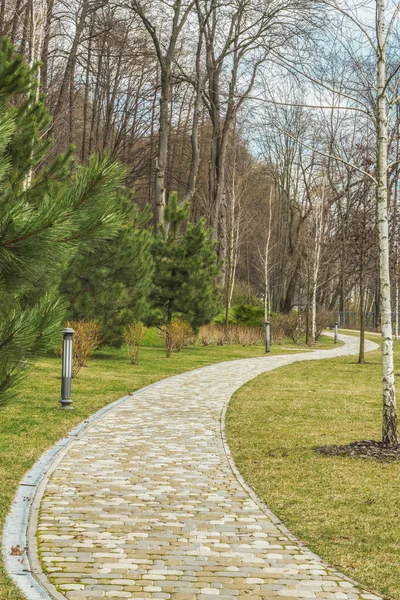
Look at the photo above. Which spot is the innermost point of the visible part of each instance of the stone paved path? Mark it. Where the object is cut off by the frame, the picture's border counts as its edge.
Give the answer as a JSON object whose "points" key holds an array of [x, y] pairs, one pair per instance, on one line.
{"points": [[145, 504]]}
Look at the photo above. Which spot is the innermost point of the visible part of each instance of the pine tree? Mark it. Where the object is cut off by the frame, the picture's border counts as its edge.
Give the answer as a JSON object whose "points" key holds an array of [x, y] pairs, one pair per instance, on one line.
{"points": [[41, 224], [186, 267], [111, 283]]}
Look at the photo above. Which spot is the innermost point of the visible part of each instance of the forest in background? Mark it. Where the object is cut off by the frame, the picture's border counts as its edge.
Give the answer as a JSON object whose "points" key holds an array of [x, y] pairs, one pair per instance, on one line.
{"points": [[176, 91]]}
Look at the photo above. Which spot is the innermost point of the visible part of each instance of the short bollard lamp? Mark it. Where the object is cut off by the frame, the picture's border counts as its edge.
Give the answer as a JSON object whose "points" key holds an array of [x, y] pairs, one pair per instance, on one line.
{"points": [[267, 336], [66, 373], [335, 338]]}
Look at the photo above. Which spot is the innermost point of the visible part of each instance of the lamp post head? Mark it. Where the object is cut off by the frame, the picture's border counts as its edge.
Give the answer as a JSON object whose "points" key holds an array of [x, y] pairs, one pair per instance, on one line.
{"points": [[69, 330]]}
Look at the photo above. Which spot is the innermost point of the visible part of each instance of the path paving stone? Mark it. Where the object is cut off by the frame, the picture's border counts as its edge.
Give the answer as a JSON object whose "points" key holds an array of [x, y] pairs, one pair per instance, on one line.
{"points": [[145, 504]]}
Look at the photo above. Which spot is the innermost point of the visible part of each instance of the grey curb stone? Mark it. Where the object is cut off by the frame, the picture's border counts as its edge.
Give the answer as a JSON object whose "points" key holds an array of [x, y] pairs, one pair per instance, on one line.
{"points": [[20, 528]]}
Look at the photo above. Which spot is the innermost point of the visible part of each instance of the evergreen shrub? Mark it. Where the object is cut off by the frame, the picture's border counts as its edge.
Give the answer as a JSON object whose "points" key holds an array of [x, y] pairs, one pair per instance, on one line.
{"points": [[186, 269], [243, 314]]}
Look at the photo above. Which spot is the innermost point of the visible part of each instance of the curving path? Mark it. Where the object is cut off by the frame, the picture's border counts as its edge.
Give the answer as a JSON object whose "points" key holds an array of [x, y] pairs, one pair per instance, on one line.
{"points": [[146, 503]]}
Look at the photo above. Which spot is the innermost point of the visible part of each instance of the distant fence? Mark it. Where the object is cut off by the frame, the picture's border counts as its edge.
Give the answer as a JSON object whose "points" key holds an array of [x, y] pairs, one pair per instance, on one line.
{"points": [[351, 320]]}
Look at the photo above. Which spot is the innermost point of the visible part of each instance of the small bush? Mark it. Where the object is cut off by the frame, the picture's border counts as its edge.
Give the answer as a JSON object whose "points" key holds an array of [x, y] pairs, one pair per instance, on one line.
{"points": [[233, 334], [325, 318], [246, 314], [220, 335], [250, 336], [133, 336], [278, 328], [177, 335], [86, 339], [295, 326], [207, 335]]}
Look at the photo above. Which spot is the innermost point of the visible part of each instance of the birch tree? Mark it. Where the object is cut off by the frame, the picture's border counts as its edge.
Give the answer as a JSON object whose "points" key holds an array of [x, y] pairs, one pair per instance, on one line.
{"points": [[38, 10], [318, 223], [267, 266], [370, 26]]}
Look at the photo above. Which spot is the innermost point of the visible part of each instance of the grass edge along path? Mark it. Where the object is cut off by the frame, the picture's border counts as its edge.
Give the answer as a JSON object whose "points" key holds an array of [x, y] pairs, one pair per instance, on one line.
{"points": [[346, 510], [32, 422]]}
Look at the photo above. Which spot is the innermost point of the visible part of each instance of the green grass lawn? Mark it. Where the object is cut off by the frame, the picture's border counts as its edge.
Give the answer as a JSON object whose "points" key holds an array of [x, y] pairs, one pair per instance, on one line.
{"points": [[347, 510], [32, 421]]}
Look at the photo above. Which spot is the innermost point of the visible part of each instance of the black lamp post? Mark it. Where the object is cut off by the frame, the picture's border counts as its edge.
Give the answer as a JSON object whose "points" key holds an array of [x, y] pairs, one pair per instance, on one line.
{"points": [[335, 338], [66, 373], [267, 336]]}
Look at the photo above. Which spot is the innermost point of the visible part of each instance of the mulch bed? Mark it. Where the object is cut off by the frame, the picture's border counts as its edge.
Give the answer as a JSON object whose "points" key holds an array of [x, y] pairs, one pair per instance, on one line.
{"points": [[363, 449]]}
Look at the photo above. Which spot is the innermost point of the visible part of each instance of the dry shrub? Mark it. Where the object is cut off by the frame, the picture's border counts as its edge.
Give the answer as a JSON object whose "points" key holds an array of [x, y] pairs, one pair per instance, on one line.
{"points": [[207, 335], [278, 328], [192, 339], [133, 336], [86, 339], [250, 336], [295, 326], [220, 335], [232, 335], [177, 335], [325, 318]]}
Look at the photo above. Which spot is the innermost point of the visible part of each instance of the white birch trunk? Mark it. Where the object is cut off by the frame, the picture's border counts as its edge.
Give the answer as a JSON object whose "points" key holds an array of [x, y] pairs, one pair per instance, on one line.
{"points": [[390, 434], [235, 259], [38, 22], [316, 263], [397, 297], [231, 242], [266, 261]]}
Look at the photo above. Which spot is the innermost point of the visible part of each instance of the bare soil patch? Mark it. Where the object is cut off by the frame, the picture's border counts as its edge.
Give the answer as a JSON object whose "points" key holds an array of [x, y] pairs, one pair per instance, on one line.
{"points": [[363, 449]]}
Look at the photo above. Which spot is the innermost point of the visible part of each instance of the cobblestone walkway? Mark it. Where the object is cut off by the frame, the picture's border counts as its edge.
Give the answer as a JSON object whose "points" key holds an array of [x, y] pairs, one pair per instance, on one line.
{"points": [[145, 504]]}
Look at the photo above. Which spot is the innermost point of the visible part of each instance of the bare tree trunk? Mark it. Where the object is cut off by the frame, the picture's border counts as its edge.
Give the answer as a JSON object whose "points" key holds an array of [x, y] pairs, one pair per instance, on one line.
{"points": [[308, 305], [151, 142], [230, 252], [361, 354], [163, 136], [223, 241], [396, 273], [45, 49], [235, 261], [395, 226], [233, 241], [15, 20], [194, 138], [390, 434], [71, 62], [25, 29], [96, 98], [2, 15], [71, 109], [84, 147], [397, 297]]}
